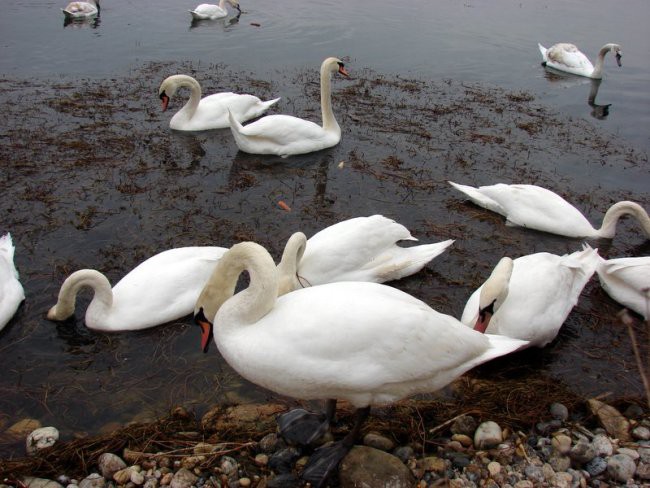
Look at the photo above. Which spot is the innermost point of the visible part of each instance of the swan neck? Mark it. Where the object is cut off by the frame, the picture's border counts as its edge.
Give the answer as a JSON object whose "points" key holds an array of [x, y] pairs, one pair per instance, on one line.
{"points": [[102, 298], [288, 267], [329, 122], [195, 94], [616, 211], [597, 73]]}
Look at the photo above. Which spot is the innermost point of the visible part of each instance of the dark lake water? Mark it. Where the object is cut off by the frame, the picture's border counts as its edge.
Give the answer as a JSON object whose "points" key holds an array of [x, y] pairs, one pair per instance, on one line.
{"points": [[136, 188]]}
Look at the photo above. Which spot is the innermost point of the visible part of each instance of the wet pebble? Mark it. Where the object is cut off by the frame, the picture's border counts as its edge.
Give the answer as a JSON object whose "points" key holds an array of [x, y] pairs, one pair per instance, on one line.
{"points": [[465, 424], [109, 464], [602, 446], [620, 467], [559, 411], [487, 435], [596, 466], [641, 433], [377, 441]]}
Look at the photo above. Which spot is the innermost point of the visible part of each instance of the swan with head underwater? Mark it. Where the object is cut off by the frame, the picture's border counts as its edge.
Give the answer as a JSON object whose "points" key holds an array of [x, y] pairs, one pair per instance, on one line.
{"points": [[363, 342], [568, 58], [357, 249], [81, 10], [209, 11], [161, 289], [537, 208], [11, 291], [530, 297], [211, 111], [285, 135], [627, 280]]}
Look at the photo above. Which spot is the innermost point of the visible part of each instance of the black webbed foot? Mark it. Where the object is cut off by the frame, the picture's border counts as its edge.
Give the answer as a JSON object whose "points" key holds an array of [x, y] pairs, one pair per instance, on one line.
{"points": [[302, 428], [323, 462]]}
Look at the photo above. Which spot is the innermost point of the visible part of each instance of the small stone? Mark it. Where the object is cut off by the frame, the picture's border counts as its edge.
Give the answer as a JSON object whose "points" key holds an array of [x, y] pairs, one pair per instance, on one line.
{"points": [[644, 454], [634, 411], [602, 445], [282, 461], [582, 452], [620, 467], [93, 480], [455, 446], [269, 443], [559, 463], [494, 468], [228, 466], [548, 471], [404, 453], [205, 448], [433, 464], [41, 438], [287, 480], [465, 424], [166, 479], [596, 466], [261, 459], [32, 482], [377, 441], [465, 440], [137, 478], [534, 473], [150, 483], [365, 466], [22, 428], [183, 478], [643, 471], [641, 433], [123, 476], [524, 484], [244, 482], [562, 480], [109, 464], [634, 455], [611, 419], [559, 411], [561, 443], [487, 435]]}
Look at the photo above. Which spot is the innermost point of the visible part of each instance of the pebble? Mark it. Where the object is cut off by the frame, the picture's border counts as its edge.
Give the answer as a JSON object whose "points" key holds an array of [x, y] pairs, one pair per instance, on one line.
{"points": [[41, 438], [561, 443], [377, 441], [487, 435], [596, 466], [641, 433], [602, 445], [559, 411], [620, 467], [465, 424], [109, 464], [494, 468]]}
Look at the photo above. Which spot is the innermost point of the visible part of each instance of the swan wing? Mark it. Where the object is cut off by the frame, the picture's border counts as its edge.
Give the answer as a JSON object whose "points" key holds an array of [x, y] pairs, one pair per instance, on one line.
{"points": [[567, 57], [11, 291], [627, 280]]}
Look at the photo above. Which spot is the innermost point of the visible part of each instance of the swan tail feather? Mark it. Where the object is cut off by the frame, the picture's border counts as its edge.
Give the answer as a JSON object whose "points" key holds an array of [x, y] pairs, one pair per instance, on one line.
{"points": [[542, 50], [270, 103], [501, 345], [475, 195]]}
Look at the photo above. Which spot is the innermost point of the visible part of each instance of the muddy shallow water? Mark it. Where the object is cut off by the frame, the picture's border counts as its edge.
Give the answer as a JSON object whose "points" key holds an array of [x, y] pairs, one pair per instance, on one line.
{"points": [[93, 177]]}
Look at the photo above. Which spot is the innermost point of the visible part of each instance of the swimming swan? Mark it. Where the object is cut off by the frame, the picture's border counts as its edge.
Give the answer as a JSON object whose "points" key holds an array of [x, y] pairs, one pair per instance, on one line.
{"points": [[535, 207], [210, 112], [161, 289], [366, 343], [81, 10], [567, 57], [358, 249], [535, 297], [11, 291], [627, 280], [208, 11], [284, 135]]}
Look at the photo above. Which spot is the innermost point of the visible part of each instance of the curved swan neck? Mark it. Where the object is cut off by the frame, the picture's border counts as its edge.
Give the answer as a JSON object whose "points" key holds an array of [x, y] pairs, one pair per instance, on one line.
{"points": [[288, 267], [250, 304], [597, 73], [329, 122], [103, 294], [192, 104], [616, 211]]}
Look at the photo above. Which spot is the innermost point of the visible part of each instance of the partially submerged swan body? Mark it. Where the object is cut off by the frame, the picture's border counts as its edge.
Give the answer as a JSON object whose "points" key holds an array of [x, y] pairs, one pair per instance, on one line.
{"points": [[285, 135], [211, 111], [537, 208], [363, 342], [11, 291], [161, 289], [536, 298], [568, 58], [627, 280], [81, 10], [209, 11], [358, 249]]}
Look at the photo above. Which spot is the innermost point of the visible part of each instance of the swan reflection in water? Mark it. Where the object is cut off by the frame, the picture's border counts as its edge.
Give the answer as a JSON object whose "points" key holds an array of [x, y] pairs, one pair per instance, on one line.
{"points": [[598, 111], [227, 22]]}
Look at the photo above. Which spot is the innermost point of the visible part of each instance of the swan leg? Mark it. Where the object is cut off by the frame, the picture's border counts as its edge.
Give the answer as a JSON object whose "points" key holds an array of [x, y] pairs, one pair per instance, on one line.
{"points": [[303, 428], [326, 459]]}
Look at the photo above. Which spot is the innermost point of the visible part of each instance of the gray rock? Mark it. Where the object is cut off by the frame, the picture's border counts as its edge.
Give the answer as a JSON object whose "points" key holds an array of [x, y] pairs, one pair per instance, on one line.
{"points": [[109, 464], [270, 443], [365, 466], [282, 460], [465, 424], [596, 466], [582, 452], [41, 439], [404, 453], [183, 478], [32, 482], [644, 454], [94, 480], [377, 441], [602, 445], [620, 467], [559, 412], [641, 433], [643, 471], [488, 435], [228, 466], [634, 455], [534, 473], [559, 463], [634, 411]]}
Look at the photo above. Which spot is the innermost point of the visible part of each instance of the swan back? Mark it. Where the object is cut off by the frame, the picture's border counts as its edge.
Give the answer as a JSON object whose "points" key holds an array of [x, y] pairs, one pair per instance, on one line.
{"points": [[11, 291]]}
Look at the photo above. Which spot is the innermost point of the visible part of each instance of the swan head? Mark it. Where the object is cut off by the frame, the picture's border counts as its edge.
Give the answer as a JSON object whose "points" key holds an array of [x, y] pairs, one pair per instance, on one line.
{"points": [[333, 65], [493, 293], [235, 4], [288, 267], [207, 331], [168, 89], [618, 54]]}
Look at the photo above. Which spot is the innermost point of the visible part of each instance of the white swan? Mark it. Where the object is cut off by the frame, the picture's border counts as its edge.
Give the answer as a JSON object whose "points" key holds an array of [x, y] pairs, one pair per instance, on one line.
{"points": [[210, 112], [161, 289], [540, 291], [363, 342], [567, 57], [538, 208], [81, 10], [627, 280], [358, 249], [284, 135], [208, 11], [11, 291]]}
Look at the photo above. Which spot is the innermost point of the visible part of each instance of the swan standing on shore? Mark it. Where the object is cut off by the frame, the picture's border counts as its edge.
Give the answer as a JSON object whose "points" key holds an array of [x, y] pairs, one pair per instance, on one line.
{"points": [[285, 135], [537, 293], [358, 249], [210, 112], [537, 208], [568, 58], [627, 280], [81, 10], [161, 289], [11, 291], [366, 343], [208, 11]]}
